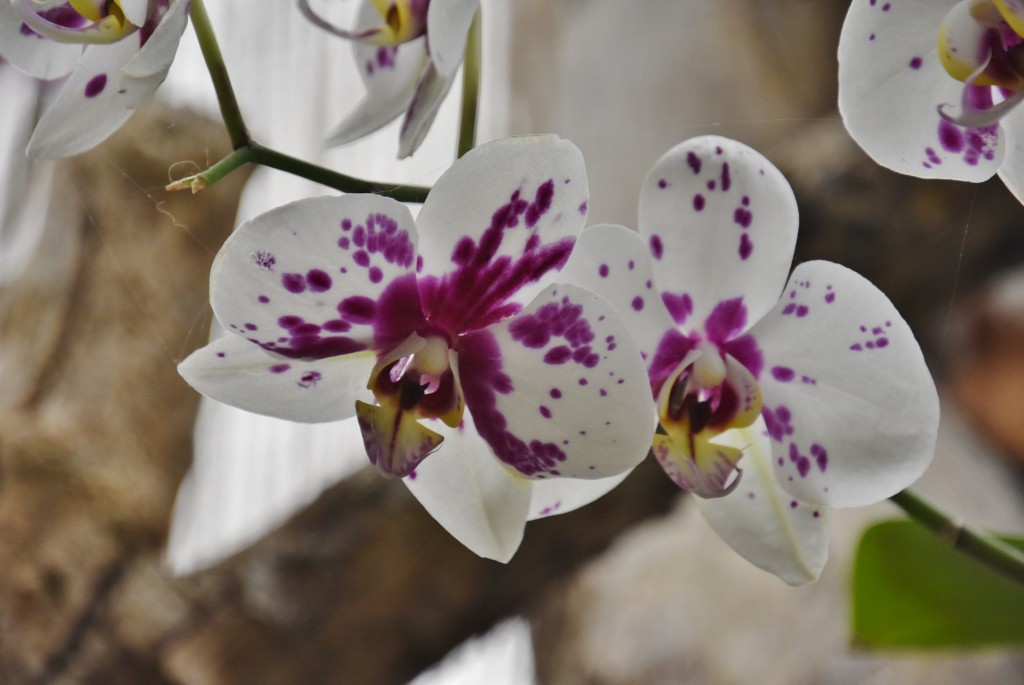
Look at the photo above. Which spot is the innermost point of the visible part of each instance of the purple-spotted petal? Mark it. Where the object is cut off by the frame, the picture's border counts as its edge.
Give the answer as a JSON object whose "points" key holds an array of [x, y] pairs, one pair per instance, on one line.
{"points": [[30, 52], [613, 262], [447, 26], [480, 502], [89, 107], [720, 222], [849, 403], [390, 74], [236, 372], [426, 101], [560, 390], [554, 496], [763, 523], [320, 277], [891, 84], [496, 227]]}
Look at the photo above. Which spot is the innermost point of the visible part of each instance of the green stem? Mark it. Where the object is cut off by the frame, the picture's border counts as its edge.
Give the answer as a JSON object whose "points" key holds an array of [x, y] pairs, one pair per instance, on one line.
{"points": [[984, 548], [254, 153], [229, 110], [470, 86]]}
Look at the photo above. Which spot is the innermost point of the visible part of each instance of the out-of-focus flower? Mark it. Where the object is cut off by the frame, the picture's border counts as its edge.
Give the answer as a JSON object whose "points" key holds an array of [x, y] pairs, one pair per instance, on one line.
{"points": [[455, 325], [407, 52], [816, 388], [930, 88], [115, 54]]}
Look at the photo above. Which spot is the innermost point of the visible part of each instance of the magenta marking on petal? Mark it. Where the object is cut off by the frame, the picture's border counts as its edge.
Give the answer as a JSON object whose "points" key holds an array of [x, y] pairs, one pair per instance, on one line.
{"points": [[698, 202], [694, 161], [742, 217], [480, 366], [662, 183], [318, 281], [375, 274], [264, 260], [583, 208], [263, 299], [712, 184], [358, 309], [280, 368], [222, 354], [778, 423], [309, 379], [557, 355], [474, 295], [545, 412], [657, 248], [603, 270], [915, 63], [783, 374], [728, 318], [294, 283], [746, 246], [95, 85], [726, 177], [679, 306], [820, 456], [398, 313], [637, 303], [555, 393]]}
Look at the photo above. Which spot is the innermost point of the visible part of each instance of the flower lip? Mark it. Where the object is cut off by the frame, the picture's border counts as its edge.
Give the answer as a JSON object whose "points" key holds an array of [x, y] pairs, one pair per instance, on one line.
{"points": [[102, 27]]}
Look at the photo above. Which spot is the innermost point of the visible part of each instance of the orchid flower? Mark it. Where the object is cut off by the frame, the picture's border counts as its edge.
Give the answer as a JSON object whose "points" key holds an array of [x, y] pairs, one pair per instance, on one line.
{"points": [[447, 335], [777, 400], [930, 88], [407, 52], [116, 53]]}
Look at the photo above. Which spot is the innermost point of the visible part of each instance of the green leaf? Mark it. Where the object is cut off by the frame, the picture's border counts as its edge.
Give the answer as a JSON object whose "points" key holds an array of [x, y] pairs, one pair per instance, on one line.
{"points": [[912, 590]]}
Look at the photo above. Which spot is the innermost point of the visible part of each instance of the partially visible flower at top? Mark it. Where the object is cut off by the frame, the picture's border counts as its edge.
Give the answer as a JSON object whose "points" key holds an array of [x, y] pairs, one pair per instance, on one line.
{"points": [[117, 53], [407, 53], [930, 88], [816, 389], [456, 326]]}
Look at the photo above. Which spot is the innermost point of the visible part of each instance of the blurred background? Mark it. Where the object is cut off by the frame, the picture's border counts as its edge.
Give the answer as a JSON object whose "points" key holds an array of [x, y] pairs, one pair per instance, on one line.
{"points": [[105, 578]]}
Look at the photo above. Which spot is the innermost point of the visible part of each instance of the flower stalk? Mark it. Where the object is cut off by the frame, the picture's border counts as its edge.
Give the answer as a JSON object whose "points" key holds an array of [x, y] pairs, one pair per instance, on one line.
{"points": [[966, 539]]}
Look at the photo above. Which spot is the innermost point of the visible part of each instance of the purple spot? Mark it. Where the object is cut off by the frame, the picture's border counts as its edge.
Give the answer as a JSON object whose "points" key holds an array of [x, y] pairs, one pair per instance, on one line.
{"points": [[856, 347], [264, 260], [657, 249], [694, 161], [294, 283], [801, 311], [915, 63], [638, 303], [783, 374], [358, 309], [793, 504], [263, 299], [318, 281], [820, 456], [726, 178], [885, 7], [376, 275], [583, 208], [280, 368], [95, 85], [662, 183], [250, 327], [698, 202], [746, 246], [872, 36], [950, 137], [309, 379], [882, 342], [346, 224], [679, 306], [557, 355], [361, 258], [603, 270], [344, 243], [742, 216], [712, 184], [745, 201], [555, 393], [830, 298], [221, 355], [816, 514], [545, 412]]}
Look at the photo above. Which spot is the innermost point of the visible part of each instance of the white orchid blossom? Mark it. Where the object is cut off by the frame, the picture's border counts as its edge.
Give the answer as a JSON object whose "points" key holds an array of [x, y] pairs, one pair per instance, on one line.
{"points": [[407, 52], [930, 88], [447, 335], [115, 55], [777, 400]]}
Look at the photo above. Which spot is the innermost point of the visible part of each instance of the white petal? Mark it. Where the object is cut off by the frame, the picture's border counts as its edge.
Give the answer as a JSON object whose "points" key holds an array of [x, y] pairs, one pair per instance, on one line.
{"points": [[447, 27], [553, 496], [481, 502], [390, 74], [560, 390], [89, 107], [891, 84], [496, 227], [613, 262], [31, 53], [136, 11], [147, 70], [426, 101], [320, 277], [247, 481], [764, 524], [720, 221], [236, 372], [1012, 169], [848, 399]]}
